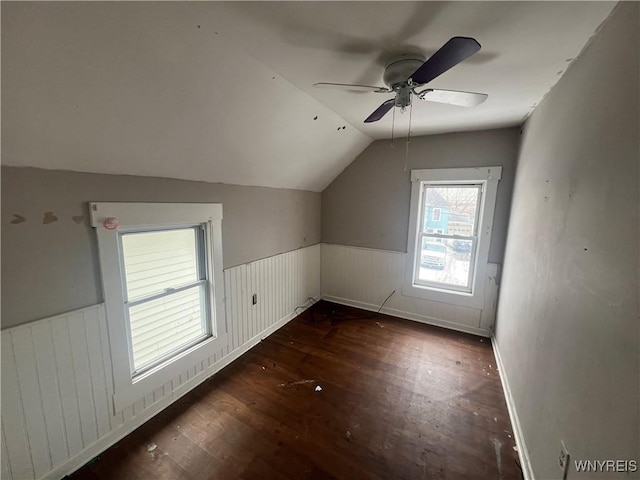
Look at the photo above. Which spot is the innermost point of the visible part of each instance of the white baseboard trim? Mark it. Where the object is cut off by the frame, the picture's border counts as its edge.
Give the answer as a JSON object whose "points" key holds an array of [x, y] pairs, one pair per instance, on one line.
{"points": [[125, 429], [241, 350], [409, 316], [523, 453]]}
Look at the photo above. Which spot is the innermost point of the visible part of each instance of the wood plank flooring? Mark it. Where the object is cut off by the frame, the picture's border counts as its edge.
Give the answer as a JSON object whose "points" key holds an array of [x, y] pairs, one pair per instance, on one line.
{"points": [[399, 400]]}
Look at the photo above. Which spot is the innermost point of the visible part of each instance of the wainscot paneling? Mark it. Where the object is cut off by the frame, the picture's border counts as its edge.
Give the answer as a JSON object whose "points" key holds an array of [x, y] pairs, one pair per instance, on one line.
{"points": [[57, 378], [364, 277]]}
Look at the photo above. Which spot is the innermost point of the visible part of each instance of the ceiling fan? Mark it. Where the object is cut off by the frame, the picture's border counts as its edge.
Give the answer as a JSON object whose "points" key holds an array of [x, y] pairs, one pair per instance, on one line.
{"points": [[405, 74]]}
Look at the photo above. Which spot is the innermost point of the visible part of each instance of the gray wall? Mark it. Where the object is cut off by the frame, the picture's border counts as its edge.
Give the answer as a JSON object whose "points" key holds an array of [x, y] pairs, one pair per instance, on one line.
{"points": [[567, 326], [367, 205], [52, 268]]}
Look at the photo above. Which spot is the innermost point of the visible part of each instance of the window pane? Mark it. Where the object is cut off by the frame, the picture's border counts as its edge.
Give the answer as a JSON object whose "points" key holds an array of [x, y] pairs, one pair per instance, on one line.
{"points": [[166, 324], [445, 261], [155, 261], [450, 210]]}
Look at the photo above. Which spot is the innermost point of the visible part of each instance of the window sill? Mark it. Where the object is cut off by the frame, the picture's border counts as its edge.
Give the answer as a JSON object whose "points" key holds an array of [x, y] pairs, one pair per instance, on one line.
{"points": [[452, 297], [147, 382]]}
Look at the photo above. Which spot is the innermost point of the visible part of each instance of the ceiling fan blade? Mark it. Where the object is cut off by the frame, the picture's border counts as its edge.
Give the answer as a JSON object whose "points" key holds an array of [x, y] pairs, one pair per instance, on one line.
{"points": [[450, 54], [453, 97], [356, 88], [381, 111]]}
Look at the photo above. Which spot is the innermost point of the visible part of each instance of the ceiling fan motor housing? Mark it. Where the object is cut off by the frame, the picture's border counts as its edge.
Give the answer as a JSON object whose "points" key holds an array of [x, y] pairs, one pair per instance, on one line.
{"points": [[398, 71]]}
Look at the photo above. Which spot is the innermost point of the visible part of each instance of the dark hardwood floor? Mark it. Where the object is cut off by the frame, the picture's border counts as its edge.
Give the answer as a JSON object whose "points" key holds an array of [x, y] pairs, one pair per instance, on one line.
{"points": [[399, 400]]}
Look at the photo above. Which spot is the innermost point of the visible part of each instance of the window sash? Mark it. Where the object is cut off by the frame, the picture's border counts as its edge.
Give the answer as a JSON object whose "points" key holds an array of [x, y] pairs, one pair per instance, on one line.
{"points": [[423, 202], [205, 327], [468, 287], [200, 238]]}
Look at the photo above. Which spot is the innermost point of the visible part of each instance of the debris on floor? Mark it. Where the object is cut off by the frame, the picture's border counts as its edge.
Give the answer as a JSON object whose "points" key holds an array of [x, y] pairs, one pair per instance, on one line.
{"points": [[318, 388], [298, 382], [515, 449], [151, 447], [380, 324], [348, 435]]}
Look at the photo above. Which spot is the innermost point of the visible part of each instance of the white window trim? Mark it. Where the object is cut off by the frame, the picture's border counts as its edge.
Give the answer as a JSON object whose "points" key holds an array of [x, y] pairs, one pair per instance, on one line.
{"points": [[130, 216], [488, 177]]}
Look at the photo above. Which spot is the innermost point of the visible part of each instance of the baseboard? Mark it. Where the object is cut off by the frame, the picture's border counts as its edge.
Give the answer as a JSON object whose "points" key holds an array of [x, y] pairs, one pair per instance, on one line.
{"points": [[409, 316], [125, 429], [523, 453], [241, 350]]}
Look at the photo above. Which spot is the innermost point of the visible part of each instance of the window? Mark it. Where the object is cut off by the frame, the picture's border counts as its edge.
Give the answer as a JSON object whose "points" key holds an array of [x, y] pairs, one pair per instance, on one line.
{"points": [[165, 287], [444, 261], [162, 275]]}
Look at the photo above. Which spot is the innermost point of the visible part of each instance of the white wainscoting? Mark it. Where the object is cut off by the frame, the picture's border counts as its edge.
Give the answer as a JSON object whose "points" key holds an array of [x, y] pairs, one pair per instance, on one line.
{"points": [[364, 277], [57, 378]]}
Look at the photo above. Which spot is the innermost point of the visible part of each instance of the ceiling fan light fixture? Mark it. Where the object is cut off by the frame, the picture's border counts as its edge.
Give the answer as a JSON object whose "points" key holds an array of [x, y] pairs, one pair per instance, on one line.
{"points": [[403, 97]]}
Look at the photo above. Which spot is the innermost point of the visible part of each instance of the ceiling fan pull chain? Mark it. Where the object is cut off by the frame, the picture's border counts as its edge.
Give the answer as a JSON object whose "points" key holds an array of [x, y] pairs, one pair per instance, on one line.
{"points": [[406, 155], [393, 125]]}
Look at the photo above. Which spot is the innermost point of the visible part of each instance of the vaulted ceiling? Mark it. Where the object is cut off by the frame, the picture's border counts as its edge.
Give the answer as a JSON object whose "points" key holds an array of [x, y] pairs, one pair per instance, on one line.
{"points": [[222, 91]]}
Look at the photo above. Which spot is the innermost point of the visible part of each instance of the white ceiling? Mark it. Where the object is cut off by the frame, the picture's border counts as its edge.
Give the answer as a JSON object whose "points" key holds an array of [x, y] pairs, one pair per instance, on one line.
{"points": [[222, 91], [526, 46]]}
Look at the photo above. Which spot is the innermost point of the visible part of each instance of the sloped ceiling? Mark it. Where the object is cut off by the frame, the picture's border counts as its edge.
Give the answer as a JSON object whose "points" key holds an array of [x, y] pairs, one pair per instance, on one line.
{"points": [[222, 91]]}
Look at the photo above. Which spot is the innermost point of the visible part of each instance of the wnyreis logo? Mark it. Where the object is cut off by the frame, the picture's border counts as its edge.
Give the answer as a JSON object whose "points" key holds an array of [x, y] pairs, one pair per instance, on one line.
{"points": [[606, 466]]}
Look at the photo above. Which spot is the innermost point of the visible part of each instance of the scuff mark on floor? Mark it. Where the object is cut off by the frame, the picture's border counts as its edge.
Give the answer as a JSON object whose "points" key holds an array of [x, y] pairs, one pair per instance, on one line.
{"points": [[498, 446]]}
